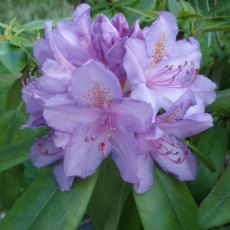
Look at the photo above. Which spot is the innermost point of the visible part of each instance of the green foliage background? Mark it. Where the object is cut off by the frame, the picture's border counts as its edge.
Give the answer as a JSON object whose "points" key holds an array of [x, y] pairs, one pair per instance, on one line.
{"points": [[30, 198]]}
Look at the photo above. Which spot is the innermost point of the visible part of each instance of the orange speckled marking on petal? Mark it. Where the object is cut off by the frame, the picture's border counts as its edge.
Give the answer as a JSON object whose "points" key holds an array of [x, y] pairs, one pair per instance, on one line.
{"points": [[160, 48], [98, 95]]}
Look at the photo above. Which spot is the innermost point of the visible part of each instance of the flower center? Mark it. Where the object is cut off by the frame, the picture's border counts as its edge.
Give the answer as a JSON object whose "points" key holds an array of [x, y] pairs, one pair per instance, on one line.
{"points": [[98, 95]]}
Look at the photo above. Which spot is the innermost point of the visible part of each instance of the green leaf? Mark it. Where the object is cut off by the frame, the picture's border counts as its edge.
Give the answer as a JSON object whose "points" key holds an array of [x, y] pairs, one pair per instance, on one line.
{"points": [[222, 101], [143, 13], [13, 154], [23, 41], [10, 185], [130, 219], [40, 24], [201, 156], [168, 205], [139, 7], [217, 28], [174, 7], [215, 148], [187, 15], [187, 7], [10, 123], [43, 206], [34, 25], [220, 7], [110, 193], [12, 57], [14, 95], [214, 210], [6, 80]]}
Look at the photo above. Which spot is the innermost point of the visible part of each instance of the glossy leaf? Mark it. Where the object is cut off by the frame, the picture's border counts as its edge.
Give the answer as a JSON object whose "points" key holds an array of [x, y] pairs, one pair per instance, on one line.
{"points": [[214, 210], [202, 157], [110, 193], [168, 205], [222, 101], [215, 147], [12, 57], [43, 206], [130, 219]]}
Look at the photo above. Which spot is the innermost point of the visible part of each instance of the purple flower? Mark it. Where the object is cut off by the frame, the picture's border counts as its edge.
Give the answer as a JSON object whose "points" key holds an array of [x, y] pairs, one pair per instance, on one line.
{"points": [[69, 43], [55, 80], [98, 121], [72, 43], [160, 69], [108, 39], [162, 142], [101, 88]]}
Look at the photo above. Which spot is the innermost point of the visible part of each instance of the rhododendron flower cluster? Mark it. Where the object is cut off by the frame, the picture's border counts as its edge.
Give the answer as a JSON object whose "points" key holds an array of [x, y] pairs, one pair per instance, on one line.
{"points": [[107, 88]]}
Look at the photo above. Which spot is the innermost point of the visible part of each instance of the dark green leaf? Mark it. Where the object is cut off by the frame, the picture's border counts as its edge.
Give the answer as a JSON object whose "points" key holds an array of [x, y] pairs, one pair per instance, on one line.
{"points": [[222, 101], [6, 80], [201, 156], [14, 96], [130, 219], [215, 148], [214, 210], [168, 205], [14, 153], [10, 185], [187, 15], [110, 193], [12, 57], [43, 206]]}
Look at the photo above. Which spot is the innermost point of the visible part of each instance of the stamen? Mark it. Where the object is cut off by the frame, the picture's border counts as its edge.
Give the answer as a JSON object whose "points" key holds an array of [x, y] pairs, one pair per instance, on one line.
{"points": [[171, 150], [45, 152], [172, 77]]}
